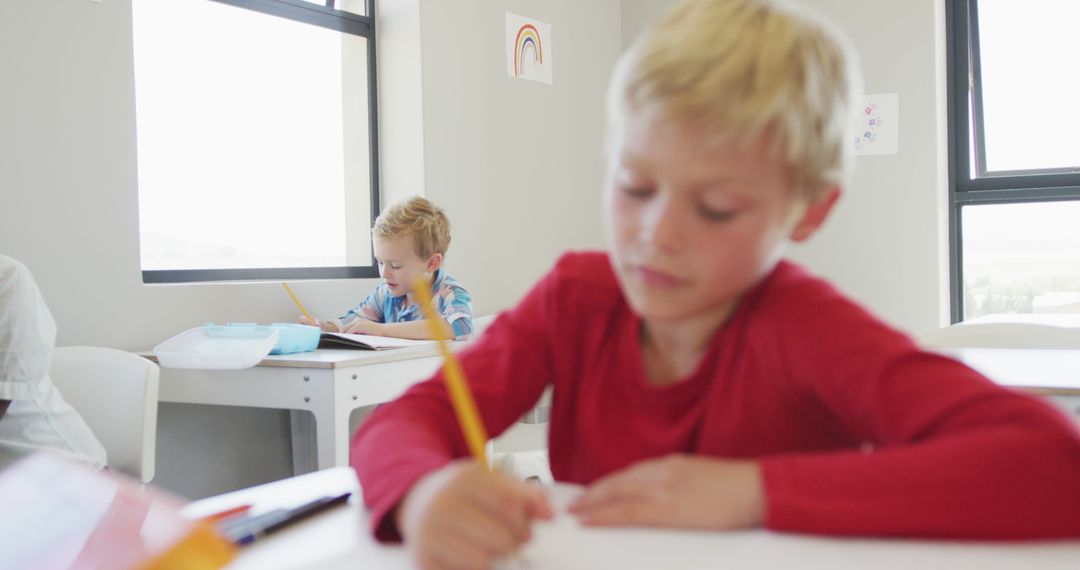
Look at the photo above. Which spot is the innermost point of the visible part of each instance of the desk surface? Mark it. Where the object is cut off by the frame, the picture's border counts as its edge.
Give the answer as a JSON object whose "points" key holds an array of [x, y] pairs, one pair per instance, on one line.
{"points": [[345, 357], [342, 357], [340, 539], [1047, 371]]}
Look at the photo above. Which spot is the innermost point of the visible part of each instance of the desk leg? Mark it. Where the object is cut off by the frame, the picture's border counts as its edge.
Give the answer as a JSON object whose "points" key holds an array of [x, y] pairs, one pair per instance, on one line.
{"points": [[320, 433], [324, 414], [304, 450], [332, 433], [330, 446]]}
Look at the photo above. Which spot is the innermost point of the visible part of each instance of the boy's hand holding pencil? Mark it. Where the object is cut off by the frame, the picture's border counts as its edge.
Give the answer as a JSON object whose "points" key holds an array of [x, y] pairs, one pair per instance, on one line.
{"points": [[307, 318], [464, 515]]}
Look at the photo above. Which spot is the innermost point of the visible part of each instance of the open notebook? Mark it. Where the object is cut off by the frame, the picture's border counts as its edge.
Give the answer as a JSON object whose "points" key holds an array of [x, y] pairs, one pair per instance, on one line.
{"points": [[366, 341]]}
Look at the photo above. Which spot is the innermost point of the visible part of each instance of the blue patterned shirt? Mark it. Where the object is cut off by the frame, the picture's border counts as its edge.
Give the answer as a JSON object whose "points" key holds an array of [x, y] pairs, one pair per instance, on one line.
{"points": [[451, 300]]}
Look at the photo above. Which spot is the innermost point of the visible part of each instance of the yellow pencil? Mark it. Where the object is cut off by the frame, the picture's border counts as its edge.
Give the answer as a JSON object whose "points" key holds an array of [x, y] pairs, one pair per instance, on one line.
{"points": [[460, 396], [297, 301]]}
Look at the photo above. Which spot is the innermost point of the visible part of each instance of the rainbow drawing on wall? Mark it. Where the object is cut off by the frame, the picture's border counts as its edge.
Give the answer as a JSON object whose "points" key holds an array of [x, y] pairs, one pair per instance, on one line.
{"points": [[528, 40], [528, 49]]}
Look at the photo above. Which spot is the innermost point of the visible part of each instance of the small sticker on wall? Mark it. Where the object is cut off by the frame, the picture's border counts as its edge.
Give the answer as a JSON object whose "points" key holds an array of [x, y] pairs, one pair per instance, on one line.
{"points": [[878, 126], [528, 49]]}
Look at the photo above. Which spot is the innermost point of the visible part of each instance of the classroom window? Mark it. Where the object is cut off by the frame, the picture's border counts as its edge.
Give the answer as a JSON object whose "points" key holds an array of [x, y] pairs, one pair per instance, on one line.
{"points": [[1014, 164], [256, 139], [358, 7]]}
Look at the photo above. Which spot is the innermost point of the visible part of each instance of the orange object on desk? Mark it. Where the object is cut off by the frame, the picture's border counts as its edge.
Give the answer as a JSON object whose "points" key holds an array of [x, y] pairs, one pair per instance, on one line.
{"points": [[62, 514]]}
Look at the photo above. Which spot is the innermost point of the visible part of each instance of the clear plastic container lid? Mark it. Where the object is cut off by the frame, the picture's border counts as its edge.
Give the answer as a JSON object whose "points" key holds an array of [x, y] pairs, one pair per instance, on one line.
{"points": [[236, 345]]}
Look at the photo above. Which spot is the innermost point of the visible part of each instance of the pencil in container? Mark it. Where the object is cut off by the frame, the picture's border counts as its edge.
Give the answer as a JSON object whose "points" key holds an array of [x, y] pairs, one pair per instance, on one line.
{"points": [[461, 397]]}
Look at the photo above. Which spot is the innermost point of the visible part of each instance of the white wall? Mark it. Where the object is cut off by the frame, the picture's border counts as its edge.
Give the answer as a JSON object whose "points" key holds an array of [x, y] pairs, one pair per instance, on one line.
{"points": [[401, 113], [886, 242], [504, 158], [516, 165]]}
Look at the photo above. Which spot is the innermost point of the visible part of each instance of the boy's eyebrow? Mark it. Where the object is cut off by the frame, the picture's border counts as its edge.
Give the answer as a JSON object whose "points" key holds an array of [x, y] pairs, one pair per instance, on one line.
{"points": [[710, 183], [635, 161], [704, 183], [631, 159]]}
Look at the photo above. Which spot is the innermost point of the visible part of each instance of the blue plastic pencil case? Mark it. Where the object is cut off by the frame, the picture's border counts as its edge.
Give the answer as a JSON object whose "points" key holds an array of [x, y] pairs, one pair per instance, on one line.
{"points": [[291, 337], [294, 337]]}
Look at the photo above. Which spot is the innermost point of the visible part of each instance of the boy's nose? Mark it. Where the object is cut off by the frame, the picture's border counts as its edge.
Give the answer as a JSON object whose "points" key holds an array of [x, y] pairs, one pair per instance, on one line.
{"points": [[663, 225]]}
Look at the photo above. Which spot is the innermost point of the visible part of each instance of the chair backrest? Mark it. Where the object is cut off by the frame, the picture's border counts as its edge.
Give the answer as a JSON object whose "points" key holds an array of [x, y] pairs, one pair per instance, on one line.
{"points": [[116, 392], [480, 324], [1001, 335]]}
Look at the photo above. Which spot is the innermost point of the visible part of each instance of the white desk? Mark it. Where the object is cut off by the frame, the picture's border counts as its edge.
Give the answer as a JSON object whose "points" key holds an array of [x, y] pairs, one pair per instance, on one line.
{"points": [[329, 383], [340, 539]]}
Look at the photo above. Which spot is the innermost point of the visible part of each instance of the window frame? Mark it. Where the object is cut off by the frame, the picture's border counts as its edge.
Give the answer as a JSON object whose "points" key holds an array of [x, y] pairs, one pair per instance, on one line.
{"points": [[325, 16], [967, 188]]}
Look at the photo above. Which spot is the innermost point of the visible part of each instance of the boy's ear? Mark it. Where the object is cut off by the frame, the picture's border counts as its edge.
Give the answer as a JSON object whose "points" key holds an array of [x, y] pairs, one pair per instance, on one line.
{"points": [[434, 262], [815, 214]]}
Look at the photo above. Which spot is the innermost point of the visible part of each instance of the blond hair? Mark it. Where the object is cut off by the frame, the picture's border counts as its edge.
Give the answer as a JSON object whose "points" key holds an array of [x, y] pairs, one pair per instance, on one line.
{"points": [[743, 69], [417, 216]]}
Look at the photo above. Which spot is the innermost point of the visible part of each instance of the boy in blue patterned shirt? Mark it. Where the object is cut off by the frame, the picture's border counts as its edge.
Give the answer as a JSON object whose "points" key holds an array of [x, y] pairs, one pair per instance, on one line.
{"points": [[410, 241]]}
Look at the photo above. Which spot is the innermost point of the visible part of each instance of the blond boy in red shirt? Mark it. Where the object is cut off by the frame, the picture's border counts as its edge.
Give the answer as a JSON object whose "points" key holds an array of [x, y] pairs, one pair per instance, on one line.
{"points": [[700, 380]]}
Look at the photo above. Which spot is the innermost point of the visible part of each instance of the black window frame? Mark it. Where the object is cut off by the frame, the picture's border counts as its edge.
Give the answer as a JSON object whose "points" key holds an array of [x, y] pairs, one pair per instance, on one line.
{"points": [[325, 16], [964, 111]]}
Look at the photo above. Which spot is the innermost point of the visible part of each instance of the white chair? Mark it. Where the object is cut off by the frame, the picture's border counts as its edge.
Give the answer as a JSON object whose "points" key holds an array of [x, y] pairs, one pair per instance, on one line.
{"points": [[480, 324], [116, 392], [1007, 331], [1026, 350], [521, 451]]}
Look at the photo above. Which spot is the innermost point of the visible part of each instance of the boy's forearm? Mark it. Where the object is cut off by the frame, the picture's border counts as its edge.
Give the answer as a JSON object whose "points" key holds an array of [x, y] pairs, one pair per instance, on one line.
{"points": [[989, 477], [416, 426], [416, 330]]}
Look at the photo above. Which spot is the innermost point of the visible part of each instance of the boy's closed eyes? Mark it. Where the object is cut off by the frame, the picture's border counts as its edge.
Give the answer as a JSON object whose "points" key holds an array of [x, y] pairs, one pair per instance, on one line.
{"points": [[390, 264], [716, 205]]}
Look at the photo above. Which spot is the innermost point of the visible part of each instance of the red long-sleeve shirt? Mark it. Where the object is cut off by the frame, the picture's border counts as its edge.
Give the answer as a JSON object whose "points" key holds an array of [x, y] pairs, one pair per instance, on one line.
{"points": [[857, 430]]}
